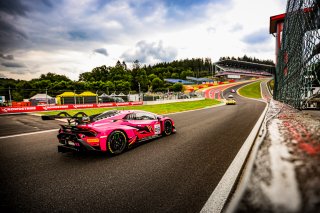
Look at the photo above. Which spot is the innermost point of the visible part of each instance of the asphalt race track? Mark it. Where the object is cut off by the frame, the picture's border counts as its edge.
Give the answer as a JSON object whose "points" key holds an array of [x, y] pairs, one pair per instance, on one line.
{"points": [[24, 123], [171, 174]]}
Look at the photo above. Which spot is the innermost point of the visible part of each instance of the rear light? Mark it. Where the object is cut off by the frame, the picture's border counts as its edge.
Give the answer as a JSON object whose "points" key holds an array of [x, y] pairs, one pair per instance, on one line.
{"points": [[93, 141]]}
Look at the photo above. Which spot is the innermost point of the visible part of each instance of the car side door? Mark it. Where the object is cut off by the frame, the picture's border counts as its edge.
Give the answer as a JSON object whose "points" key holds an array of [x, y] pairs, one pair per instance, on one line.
{"points": [[146, 123]]}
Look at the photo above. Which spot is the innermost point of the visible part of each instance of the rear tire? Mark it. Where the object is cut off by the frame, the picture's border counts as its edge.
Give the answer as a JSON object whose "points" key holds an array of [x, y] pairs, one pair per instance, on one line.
{"points": [[117, 142], [167, 127]]}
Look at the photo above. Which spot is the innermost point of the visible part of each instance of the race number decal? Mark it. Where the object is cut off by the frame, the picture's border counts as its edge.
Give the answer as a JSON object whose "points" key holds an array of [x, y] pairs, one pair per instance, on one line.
{"points": [[157, 129]]}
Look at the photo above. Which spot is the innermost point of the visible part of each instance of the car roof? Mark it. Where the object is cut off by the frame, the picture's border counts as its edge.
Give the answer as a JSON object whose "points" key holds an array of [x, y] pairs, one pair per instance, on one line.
{"points": [[132, 111]]}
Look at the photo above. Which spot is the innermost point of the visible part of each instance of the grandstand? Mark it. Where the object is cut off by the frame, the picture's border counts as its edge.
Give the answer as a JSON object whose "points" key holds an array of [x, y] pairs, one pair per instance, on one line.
{"points": [[199, 80], [173, 81], [235, 69]]}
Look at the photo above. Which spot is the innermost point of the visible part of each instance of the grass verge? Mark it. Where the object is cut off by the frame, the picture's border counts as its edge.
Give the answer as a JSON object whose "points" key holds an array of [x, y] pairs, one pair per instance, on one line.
{"points": [[158, 108], [271, 84], [251, 90]]}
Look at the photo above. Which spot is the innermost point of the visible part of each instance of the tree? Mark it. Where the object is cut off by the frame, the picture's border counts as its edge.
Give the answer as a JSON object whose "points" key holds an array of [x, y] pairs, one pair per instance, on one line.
{"points": [[167, 74], [136, 65], [108, 86], [177, 87], [175, 75], [122, 86], [16, 96], [24, 88], [156, 83], [124, 65], [42, 84], [118, 64], [152, 76], [86, 76], [185, 74], [53, 77], [59, 86], [142, 79], [78, 85]]}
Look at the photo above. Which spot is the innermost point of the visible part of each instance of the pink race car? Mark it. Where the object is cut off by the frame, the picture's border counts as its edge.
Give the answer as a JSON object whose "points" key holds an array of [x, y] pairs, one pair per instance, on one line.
{"points": [[111, 131]]}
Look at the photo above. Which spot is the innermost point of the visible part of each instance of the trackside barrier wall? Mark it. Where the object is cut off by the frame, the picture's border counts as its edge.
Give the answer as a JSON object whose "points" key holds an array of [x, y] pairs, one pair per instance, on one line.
{"points": [[4, 110]]}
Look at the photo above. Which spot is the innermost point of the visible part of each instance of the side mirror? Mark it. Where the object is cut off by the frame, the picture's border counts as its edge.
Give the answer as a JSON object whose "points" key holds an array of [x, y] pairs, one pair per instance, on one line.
{"points": [[159, 118]]}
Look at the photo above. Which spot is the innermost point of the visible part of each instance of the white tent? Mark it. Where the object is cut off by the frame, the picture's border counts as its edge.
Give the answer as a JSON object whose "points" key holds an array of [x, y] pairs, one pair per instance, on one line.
{"points": [[42, 98]]}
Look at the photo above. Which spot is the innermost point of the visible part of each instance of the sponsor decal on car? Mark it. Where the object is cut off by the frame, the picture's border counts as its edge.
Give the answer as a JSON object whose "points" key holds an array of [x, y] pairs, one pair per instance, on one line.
{"points": [[157, 129]]}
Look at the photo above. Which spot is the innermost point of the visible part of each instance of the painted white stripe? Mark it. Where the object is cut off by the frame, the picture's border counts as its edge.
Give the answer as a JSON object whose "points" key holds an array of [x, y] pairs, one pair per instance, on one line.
{"points": [[208, 107], [29, 133], [219, 196]]}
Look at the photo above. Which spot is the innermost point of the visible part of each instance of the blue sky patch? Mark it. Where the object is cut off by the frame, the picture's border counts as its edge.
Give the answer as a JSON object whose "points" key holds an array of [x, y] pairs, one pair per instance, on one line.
{"points": [[256, 37]]}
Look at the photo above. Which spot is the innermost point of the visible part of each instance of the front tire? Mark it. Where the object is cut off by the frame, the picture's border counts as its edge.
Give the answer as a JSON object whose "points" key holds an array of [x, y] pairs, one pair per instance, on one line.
{"points": [[167, 127], [117, 142]]}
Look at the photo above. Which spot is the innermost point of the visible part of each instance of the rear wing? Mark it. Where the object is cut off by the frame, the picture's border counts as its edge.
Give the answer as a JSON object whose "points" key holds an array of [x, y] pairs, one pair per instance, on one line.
{"points": [[78, 118], [64, 115]]}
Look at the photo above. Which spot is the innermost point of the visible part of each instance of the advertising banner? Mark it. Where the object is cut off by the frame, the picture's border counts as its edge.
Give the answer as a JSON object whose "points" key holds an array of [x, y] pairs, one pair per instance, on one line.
{"points": [[65, 107]]}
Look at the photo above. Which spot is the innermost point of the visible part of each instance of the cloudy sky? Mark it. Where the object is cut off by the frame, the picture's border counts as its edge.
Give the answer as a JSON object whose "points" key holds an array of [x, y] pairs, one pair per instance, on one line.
{"points": [[74, 36]]}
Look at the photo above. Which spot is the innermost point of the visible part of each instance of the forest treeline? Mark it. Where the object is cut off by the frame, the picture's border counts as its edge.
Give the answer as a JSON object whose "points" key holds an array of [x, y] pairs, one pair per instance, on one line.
{"points": [[109, 79]]}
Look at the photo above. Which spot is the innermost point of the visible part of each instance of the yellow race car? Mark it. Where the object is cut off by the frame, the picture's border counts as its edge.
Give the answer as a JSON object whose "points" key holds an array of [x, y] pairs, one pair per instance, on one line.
{"points": [[231, 101]]}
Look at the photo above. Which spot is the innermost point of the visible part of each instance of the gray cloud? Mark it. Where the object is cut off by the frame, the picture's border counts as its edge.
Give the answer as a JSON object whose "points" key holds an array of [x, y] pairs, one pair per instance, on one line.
{"points": [[52, 26], [10, 36], [257, 37], [17, 21], [101, 51], [78, 35], [150, 52], [17, 69], [13, 65], [13, 7], [43, 24], [22, 7], [7, 57]]}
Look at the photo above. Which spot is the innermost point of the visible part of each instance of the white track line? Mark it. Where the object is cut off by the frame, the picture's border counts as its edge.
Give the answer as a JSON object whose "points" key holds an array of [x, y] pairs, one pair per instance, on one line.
{"points": [[219, 196], [193, 110], [30, 133]]}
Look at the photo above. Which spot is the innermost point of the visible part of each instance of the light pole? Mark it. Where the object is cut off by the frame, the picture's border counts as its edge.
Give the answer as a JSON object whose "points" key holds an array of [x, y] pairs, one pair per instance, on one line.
{"points": [[139, 91], [75, 101], [10, 97], [97, 100], [47, 96]]}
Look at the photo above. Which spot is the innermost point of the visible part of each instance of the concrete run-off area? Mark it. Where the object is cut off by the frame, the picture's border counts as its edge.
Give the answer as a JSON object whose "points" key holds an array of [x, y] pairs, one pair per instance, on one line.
{"points": [[285, 173]]}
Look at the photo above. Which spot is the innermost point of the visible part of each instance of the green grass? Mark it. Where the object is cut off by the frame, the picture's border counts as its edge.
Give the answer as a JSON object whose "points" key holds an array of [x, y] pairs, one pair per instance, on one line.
{"points": [[251, 90], [271, 84], [158, 108]]}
